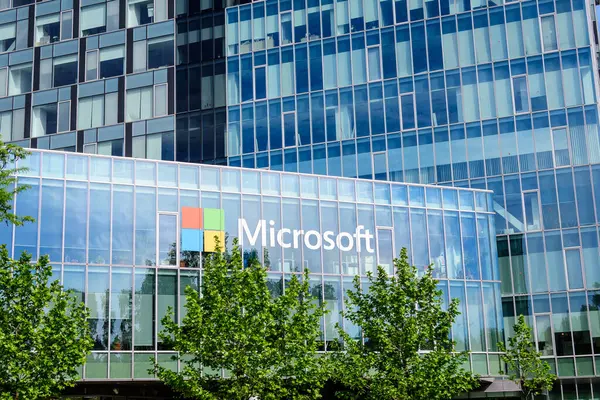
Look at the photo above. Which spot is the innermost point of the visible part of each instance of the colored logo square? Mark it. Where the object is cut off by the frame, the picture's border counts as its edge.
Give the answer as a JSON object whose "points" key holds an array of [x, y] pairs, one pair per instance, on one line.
{"points": [[192, 239], [191, 218], [214, 219], [209, 240]]}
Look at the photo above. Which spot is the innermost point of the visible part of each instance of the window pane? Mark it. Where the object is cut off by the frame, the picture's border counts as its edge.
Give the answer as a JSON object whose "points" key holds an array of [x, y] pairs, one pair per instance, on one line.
{"points": [[549, 33], [520, 94], [91, 65], [167, 244], [160, 100]]}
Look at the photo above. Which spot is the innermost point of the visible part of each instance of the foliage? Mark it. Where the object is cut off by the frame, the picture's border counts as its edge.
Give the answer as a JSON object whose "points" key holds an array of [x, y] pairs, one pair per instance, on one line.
{"points": [[44, 335], [407, 351], [524, 364], [9, 155], [266, 344]]}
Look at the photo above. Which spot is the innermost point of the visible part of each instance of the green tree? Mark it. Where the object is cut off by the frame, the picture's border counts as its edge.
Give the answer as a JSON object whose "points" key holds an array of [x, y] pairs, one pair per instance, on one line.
{"points": [[266, 344], [523, 362], [407, 353], [9, 155], [44, 335]]}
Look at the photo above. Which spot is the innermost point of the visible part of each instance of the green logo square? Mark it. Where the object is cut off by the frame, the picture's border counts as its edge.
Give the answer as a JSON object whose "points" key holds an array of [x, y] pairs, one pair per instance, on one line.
{"points": [[214, 219]]}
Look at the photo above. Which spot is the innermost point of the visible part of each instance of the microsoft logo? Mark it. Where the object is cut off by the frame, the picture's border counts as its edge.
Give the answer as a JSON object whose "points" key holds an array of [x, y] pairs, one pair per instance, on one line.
{"points": [[199, 226]]}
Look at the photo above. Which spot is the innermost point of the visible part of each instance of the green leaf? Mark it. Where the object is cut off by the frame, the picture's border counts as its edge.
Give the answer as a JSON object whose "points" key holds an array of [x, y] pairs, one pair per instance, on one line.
{"points": [[265, 342], [524, 364], [44, 334], [405, 351]]}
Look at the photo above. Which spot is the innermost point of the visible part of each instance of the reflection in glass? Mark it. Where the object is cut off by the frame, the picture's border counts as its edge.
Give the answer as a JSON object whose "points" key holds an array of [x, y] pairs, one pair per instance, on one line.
{"points": [[76, 222], [120, 308], [28, 205], [532, 211], [144, 309], [145, 228], [122, 234], [97, 302], [167, 297], [385, 249], [563, 340], [460, 332], [167, 239], [333, 301], [99, 234]]}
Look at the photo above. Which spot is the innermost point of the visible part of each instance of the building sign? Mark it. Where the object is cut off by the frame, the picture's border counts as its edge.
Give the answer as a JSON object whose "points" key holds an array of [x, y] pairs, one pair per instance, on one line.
{"points": [[199, 226], [313, 240]]}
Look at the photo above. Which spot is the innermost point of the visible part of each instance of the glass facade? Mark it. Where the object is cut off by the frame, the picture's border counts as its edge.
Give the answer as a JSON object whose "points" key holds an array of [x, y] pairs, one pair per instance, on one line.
{"points": [[113, 230], [498, 95], [492, 95]]}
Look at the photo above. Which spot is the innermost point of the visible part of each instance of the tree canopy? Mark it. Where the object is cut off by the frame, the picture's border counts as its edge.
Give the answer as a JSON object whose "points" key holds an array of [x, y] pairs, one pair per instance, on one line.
{"points": [[44, 335], [9, 155], [524, 364], [266, 343], [407, 352]]}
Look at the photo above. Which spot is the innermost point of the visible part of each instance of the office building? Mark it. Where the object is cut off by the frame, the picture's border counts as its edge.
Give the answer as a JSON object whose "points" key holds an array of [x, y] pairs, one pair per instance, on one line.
{"points": [[129, 235], [466, 93]]}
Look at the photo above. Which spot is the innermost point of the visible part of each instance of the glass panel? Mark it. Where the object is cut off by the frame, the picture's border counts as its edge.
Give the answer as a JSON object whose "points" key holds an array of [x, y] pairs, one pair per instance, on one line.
{"points": [[145, 228], [532, 211], [97, 301], [51, 229], [385, 249], [167, 239], [144, 309], [120, 308], [575, 276], [167, 298], [549, 33]]}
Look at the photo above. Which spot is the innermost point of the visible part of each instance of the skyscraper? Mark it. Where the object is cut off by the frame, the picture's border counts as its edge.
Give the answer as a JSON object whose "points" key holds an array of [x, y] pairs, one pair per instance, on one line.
{"points": [[466, 93]]}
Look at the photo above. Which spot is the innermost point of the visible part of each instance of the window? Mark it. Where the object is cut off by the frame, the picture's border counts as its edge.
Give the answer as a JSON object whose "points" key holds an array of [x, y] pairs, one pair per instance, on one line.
{"points": [[8, 35], [12, 125], [139, 103], [3, 82], [66, 32], [158, 146], [91, 61], [111, 148], [160, 100], [5, 126], [139, 56], [167, 239], [160, 52], [90, 148], [111, 61], [90, 112], [549, 33], [19, 79], [520, 94], [64, 71], [532, 210], [153, 53], [111, 108], [99, 18], [47, 29], [45, 120], [140, 12], [64, 116], [93, 19], [561, 147], [374, 63]]}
